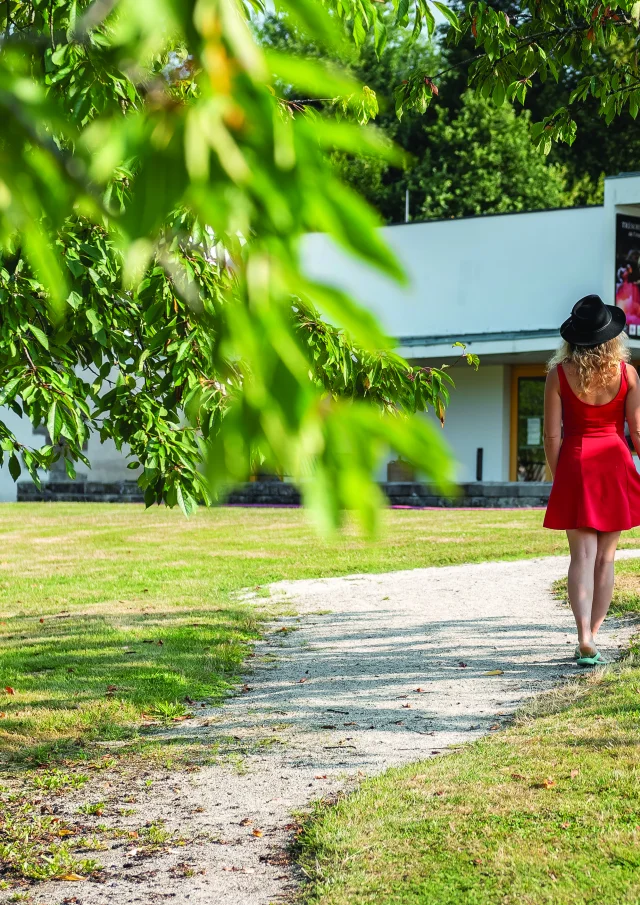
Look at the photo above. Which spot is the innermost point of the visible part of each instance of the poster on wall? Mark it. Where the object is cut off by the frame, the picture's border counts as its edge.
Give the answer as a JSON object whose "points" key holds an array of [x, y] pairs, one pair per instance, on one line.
{"points": [[628, 270]]}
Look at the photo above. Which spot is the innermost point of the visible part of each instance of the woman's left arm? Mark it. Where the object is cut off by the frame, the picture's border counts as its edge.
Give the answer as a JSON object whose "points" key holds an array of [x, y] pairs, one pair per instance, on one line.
{"points": [[632, 407]]}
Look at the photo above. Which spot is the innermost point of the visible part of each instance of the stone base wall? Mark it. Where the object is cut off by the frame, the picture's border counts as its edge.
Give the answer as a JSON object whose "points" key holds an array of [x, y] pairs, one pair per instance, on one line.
{"points": [[480, 494], [279, 493]]}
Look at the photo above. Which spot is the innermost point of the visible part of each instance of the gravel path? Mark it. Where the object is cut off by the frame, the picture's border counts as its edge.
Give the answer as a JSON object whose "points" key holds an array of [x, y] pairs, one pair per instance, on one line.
{"points": [[375, 670]]}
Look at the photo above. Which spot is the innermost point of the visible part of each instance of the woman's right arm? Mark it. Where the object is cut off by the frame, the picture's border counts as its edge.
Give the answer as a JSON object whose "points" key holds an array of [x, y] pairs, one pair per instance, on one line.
{"points": [[633, 407], [552, 420]]}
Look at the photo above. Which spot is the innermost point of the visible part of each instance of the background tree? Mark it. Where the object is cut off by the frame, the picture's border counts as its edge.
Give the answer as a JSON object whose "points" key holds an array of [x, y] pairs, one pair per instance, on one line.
{"points": [[152, 195], [466, 156], [574, 67], [149, 138], [481, 161], [599, 148]]}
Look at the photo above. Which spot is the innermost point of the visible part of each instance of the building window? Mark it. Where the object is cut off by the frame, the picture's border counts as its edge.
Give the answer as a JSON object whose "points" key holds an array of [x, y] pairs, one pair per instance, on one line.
{"points": [[528, 461]]}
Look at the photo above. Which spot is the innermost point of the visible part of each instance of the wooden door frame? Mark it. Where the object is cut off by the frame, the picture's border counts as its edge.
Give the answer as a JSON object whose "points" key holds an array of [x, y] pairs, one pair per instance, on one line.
{"points": [[517, 371]]}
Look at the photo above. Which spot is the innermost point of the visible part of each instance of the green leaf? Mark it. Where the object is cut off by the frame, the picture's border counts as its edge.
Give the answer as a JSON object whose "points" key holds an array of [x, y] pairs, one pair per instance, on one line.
{"points": [[448, 13], [46, 265], [54, 421], [40, 336], [498, 93], [186, 503], [14, 467], [312, 76]]}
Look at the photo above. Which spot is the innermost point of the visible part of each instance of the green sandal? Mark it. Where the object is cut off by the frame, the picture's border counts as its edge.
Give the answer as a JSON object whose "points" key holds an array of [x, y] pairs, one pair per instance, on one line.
{"points": [[596, 660]]}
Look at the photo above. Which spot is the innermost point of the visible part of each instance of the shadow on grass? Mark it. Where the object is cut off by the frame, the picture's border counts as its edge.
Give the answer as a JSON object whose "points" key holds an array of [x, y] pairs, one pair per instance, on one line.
{"points": [[100, 675]]}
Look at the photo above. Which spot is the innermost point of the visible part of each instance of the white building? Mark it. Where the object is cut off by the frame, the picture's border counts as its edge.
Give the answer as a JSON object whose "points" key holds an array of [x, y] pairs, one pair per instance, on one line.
{"points": [[501, 284]]}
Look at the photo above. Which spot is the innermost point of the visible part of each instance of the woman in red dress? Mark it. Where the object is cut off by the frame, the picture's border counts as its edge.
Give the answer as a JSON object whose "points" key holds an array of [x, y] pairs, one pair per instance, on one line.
{"points": [[589, 392]]}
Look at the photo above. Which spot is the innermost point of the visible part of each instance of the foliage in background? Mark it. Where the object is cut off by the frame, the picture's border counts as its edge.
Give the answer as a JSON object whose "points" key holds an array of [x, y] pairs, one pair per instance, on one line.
{"points": [[600, 148], [461, 164], [481, 161], [153, 192], [154, 188]]}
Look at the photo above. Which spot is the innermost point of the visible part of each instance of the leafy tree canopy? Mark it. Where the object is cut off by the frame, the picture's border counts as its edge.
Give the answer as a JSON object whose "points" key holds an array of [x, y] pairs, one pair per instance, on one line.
{"points": [[488, 178], [153, 192], [154, 186], [481, 161]]}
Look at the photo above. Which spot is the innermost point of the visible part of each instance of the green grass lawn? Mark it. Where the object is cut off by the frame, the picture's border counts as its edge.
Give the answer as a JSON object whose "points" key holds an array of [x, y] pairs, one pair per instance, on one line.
{"points": [[546, 813], [110, 615]]}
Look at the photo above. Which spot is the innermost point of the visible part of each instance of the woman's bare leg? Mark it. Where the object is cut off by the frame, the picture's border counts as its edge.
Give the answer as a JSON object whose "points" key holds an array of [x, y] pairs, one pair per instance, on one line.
{"points": [[603, 577], [583, 544]]}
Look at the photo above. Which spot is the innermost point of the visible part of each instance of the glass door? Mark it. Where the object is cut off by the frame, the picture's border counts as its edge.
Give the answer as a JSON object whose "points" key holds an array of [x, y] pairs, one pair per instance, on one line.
{"points": [[527, 409]]}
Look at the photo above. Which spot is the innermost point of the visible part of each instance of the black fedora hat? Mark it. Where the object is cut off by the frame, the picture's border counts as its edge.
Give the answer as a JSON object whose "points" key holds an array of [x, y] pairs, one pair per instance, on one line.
{"points": [[592, 322]]}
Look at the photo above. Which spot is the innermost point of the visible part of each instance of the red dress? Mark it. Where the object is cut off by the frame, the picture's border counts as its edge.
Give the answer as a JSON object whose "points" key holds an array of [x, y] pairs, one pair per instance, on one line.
{"points": [[596, 483]]}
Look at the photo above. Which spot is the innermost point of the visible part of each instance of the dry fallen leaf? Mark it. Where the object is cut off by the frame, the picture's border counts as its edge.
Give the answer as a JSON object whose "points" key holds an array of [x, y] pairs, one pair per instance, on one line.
{"points": [[65, 832], [546, 783], [72, 878], [574, 773], [494, 727], [9, 689], [517, 776], [257, 832], [421, 690], [246, 822], [321, 776], [494, 672]]}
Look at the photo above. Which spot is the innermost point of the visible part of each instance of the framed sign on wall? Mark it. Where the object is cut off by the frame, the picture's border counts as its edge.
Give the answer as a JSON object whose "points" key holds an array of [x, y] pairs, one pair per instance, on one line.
{"points": [[628, 270]]}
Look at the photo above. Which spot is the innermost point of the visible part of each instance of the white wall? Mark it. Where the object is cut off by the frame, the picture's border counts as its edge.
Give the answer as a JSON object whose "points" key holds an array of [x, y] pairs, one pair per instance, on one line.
{"points": [[107, 464], [493, 274], [21, 427], [476, 418], [498, 273]]}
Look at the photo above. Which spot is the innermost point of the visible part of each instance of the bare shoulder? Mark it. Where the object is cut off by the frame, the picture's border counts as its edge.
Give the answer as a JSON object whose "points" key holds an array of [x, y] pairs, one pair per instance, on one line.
{"points": [[553, 380], [632, 376]]}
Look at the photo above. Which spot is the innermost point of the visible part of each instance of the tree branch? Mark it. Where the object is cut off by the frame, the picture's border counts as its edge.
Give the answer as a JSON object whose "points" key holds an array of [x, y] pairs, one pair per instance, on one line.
{"points": [[53, 40]]}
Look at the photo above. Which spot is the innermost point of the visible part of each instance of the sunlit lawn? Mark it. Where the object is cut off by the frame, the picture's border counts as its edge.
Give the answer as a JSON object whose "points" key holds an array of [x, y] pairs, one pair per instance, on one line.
{"points": [[109, 614], [112, 617], [546, 813]]}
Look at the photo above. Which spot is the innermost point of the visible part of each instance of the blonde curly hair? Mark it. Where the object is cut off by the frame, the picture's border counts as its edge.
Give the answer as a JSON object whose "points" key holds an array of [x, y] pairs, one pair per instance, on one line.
{"points": [[596, 366]]}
